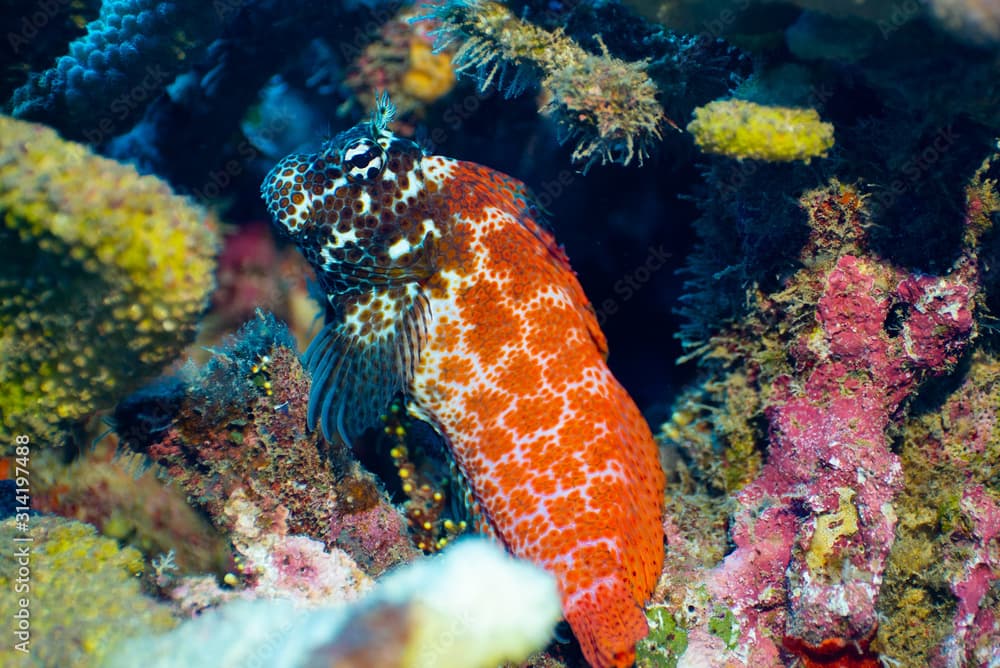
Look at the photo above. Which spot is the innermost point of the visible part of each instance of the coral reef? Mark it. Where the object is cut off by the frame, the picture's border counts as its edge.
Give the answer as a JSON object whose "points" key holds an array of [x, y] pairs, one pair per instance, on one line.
{"points": [[128, 56], [941, 570], [193, 134], [82, 590], [36, 33], [830, 442], [274, 564], [120, 271], [120, 495], [720, 425], [604, 103], [472, 607], [253, 273], [813, 529], [974, 21], [232, 434], [747, 130]]}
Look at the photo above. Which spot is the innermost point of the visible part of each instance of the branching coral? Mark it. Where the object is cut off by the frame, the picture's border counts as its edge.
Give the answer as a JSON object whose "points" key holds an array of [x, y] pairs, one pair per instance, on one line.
{"points": [[83, 592], [742, 129], [606, 104], [103, 275], [36, 33], [129, 55]]}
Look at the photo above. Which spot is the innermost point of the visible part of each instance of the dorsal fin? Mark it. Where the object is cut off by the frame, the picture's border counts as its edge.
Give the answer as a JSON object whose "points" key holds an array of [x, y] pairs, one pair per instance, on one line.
{"points": [[364, 356]]}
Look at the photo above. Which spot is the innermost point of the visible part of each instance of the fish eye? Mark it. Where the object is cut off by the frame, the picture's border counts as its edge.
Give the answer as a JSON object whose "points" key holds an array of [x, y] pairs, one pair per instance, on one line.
{"points": [[363, 160]]}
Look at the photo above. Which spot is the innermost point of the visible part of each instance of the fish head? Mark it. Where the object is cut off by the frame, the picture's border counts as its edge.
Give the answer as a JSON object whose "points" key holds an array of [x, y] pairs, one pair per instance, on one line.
{"points": [[361, 206]]}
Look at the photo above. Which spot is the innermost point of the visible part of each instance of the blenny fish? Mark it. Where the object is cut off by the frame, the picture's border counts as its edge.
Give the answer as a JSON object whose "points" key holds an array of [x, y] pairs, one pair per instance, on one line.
{"points": [[442, 286]]}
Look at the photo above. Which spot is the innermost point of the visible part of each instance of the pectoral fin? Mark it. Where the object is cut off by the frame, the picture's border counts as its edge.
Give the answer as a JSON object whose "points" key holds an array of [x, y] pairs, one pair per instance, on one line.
{"points": [[364, 357]]}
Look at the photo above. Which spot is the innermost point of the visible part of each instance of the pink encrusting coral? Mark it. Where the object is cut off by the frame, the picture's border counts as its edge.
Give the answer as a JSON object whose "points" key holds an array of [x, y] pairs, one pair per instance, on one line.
{"points": [[814, 529]]}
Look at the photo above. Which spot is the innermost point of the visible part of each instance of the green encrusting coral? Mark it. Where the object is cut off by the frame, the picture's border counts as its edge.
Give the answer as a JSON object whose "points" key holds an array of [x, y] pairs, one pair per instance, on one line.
{"points": [[103, 276], [741, 129], [83, 594]]}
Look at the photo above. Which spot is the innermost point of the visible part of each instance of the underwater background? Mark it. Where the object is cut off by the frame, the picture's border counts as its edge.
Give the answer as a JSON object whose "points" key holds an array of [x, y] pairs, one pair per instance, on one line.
{"points": [[782, 214]]}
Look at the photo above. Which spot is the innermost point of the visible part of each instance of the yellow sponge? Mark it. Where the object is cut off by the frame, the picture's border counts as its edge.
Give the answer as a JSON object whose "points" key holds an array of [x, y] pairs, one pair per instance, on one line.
{"points": [[741, 129]]}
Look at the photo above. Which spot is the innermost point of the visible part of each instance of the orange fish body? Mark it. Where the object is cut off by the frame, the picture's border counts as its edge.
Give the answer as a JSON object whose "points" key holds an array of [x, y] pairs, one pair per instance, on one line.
{"points": [[443, 287]]}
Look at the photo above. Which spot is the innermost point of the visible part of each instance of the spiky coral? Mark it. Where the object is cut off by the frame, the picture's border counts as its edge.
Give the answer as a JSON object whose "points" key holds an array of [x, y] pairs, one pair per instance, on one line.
{"points": [[742, 130], [606, 104], [82, 593], [103, 275]]}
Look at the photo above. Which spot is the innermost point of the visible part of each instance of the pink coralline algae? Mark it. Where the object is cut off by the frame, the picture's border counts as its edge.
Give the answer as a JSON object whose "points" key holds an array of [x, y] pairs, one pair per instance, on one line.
{"points": [[232, 435], [813, 531], [276, 565], [976, 625], [939, 600]]}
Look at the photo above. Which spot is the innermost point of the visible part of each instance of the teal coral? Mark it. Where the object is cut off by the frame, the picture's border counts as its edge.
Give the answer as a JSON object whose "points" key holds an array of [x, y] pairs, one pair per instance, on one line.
{"points": [[35, 44], [747, 130], [84, 595], [120, 271], [129, 54], [606, 104]]}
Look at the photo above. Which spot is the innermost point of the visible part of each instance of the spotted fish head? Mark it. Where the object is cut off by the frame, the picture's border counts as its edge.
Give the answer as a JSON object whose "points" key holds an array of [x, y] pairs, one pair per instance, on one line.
{"points": [[363, 213], [358, 209]]}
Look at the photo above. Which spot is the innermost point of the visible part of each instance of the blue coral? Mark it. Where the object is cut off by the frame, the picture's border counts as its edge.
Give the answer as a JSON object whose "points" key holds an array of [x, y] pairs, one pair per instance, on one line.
{"points": [[127, 57]]}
